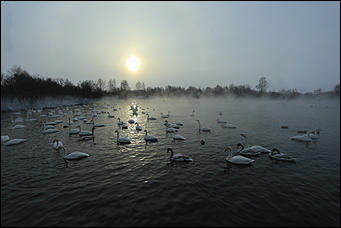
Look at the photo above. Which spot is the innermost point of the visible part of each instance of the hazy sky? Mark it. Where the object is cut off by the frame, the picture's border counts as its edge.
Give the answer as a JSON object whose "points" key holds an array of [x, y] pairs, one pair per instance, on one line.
{"points": [[292, 44]]}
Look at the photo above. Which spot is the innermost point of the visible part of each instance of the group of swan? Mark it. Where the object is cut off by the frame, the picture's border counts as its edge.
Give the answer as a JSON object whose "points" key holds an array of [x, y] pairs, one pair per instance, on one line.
{"points": [[308, 136], [243, 153], [241, 160], [224, 123], [172, 128]]}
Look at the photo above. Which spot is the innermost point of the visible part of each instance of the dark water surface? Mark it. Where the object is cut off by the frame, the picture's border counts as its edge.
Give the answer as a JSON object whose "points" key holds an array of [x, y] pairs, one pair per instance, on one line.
{"points": [[135, 185]]}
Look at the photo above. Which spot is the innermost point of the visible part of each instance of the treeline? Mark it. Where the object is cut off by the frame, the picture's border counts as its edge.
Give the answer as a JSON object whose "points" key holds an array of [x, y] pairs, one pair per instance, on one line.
{"points": [[20, 84]]}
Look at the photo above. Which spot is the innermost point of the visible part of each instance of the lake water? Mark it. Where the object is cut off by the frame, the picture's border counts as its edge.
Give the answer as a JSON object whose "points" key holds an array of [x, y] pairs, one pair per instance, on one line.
{"points": [[135, 185]]}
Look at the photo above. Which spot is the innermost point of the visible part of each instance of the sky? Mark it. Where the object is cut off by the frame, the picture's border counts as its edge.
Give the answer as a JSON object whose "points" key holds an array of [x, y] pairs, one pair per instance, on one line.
{"points": [[292, 44]]}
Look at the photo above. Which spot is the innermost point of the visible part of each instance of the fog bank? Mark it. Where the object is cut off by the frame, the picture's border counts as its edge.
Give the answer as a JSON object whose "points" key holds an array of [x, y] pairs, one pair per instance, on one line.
{"points": [[14, 104]]}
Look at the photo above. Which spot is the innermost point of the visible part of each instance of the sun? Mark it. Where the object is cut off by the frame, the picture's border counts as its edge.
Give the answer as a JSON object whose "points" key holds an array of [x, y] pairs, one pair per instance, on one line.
{"points": [[133, 63]]}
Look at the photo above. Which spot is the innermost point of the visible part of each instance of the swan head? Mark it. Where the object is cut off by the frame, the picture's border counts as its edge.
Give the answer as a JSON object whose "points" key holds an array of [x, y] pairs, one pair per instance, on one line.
{"points": [[243, 134], [169, 149], [198, 121], [54, 140], [240, 145], [274, 150], [116, 131], [228, 148], [202, 142]]}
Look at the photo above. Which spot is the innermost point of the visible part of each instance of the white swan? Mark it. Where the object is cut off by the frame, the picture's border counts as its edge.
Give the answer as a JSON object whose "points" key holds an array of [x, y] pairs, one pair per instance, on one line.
{"points": [[237, 159], [171, 130], [150, 118], [254, 148], [96, 125], [119, 123], [138, 127], [75, 131], [302, 138], [149, 138], [228, 125], [75, 155], [18, 126], [48, 127], [85, 133], [165, 115], [124, 126], [314, 134], [122, 140], [4, 138], [221, 121], [179, 123], [57, 144], [178, 137], [17, 120], [275, 154], [248, 152], [50, 131], [178, 157], [205, 129], [50, 123], [14, 142], [171, 125], [88, 137], [110, 116]]}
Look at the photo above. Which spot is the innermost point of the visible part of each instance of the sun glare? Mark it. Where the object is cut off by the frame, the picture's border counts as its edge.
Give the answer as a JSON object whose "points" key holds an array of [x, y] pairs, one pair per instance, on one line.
{"points": [[133, 63]]}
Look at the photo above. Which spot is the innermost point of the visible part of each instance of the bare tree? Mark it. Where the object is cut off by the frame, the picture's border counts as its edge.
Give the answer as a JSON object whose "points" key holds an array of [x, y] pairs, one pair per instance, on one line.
{"points": [[124, 85], [100, 84], [138, 86], [262, 85], [111, 85]]}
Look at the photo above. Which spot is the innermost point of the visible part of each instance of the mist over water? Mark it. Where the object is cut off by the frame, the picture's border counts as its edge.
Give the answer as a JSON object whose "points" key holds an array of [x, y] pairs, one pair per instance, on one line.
{"points": [[135, 184]]}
